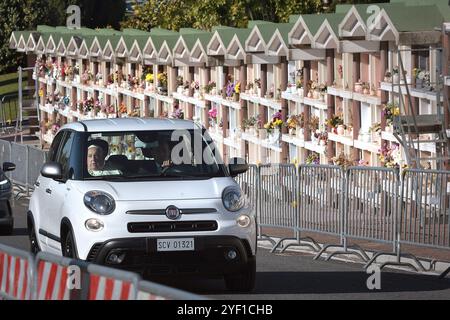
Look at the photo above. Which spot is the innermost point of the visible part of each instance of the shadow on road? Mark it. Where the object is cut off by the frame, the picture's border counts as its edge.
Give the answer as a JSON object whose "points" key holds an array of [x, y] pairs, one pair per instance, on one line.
{"points": [[294, 283], [20, 232]]}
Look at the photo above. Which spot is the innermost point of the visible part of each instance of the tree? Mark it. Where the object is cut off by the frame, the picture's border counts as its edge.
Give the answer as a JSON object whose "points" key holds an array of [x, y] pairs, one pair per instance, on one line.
{"points": [[177, 14], [102, 13], [28, 14], [333, 3]]}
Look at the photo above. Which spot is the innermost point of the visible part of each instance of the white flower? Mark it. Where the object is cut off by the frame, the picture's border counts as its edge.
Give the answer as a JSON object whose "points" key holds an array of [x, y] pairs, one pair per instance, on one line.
{"points": [[421, 75]]}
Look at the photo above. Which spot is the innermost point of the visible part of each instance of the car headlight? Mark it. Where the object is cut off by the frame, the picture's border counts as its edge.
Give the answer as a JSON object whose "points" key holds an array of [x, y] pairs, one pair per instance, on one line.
{"points": [[99, 202], [4, 182], [233, 199]]}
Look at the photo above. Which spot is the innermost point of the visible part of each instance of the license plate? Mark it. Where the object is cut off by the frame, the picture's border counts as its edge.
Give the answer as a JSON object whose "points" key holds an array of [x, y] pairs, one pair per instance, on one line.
{"points": [[186, 244]]}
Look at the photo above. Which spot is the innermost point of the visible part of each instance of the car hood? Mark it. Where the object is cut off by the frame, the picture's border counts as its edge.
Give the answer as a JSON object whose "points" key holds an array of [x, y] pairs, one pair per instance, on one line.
{"points": [[158, 190]]}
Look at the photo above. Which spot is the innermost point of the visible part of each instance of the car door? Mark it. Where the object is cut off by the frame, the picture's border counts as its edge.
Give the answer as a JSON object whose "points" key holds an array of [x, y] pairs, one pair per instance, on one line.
{"points": [[58, 191], [43, 197]]}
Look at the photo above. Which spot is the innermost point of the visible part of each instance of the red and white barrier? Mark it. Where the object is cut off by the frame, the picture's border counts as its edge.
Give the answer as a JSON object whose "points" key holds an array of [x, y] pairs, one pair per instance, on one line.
{"points": [[15, 276], [106, 288], [52, 281]]}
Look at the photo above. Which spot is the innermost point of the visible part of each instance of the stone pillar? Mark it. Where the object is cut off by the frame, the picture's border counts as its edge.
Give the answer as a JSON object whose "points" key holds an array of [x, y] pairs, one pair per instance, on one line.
{"points": [[445, 72], [263, 80], [284, 107], [171, 79], [356, 108], [242, 103], [331, 110], [206, 77], [307, 109], [414, 100], [224, 131], [225, 79], [190, 107], [384, 49]]}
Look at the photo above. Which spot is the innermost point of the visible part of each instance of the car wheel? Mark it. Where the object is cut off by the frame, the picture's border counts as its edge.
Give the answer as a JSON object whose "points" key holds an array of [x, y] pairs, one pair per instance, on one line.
{"points": [[244, 281], [68, 247], [34, 242]]}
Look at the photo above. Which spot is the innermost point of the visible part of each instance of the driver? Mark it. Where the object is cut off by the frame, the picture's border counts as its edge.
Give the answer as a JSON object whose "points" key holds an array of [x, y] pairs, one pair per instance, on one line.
{"points": [[162, 154]]}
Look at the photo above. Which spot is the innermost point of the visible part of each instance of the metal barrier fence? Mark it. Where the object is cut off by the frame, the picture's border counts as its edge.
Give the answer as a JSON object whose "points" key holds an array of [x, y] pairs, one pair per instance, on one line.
{"points": [[425, 206], [19, 154], [5, 152], [50, 277], [28, 160], [359, 203]]}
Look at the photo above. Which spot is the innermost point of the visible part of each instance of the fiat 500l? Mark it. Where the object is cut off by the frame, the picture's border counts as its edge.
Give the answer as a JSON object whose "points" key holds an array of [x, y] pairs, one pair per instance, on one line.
{"points": [[147, 195]]}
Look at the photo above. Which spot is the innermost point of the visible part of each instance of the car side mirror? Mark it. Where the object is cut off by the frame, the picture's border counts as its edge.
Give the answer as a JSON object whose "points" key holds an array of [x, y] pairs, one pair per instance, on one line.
{"points": [[237, 166], [8, 166], [52, 170]]}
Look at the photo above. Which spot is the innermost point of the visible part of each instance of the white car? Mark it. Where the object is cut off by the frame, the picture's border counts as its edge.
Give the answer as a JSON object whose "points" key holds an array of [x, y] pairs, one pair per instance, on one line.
{"points": [[146, 195]]}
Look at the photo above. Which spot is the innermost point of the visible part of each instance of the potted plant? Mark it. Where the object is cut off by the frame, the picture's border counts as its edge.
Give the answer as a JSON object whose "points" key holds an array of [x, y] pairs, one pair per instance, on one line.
{"points": [[375, 130], [334, 122], [323, 91], [257, 87], [292, 124], [396, 75], [365, 88], [313, 159], [180, 84], [321, 138], [177, 113], [343, 161], [358, 86], [314, 125], [237, 91], [388, 76], [162, 83], [300, 89], [149, 79], [390, 111], [196, 87]]}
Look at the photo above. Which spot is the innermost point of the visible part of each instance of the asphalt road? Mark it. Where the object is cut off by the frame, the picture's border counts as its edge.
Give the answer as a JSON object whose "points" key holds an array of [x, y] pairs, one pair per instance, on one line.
{"points": [[293, 276]]}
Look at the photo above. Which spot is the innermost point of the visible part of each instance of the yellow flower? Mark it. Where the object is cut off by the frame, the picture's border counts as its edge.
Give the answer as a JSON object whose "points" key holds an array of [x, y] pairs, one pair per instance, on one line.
{"points": [[149, 77], [237, 88], [278, 123], [396, 112], [268, 125], [41, 93]]}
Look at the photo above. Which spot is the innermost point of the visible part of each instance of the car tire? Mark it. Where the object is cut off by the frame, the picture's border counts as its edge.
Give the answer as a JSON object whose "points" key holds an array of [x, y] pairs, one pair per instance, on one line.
{"points": [[68, 246], [34, 242], [244, 281]]}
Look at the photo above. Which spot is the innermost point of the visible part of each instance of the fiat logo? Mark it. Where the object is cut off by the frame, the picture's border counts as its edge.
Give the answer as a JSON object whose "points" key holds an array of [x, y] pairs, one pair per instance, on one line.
{"points": [[173, 213]]}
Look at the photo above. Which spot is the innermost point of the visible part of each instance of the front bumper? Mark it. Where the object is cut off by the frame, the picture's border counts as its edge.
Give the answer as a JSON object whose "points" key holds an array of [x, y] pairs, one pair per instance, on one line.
{"points": [[209, 257]]}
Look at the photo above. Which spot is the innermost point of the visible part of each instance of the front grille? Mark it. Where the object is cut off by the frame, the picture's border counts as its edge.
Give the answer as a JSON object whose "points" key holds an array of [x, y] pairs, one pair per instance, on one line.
{"points": [[93, 253], [175, 226], [163, 211]]}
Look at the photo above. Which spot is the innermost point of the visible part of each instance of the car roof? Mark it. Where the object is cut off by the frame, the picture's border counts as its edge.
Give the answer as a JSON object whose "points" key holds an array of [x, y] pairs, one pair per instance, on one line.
{"points": [[131, 124]]}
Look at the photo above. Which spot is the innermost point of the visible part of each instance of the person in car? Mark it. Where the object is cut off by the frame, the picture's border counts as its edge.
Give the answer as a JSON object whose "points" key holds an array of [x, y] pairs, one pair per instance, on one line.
{"points": [[95, 157], [96, 154]]}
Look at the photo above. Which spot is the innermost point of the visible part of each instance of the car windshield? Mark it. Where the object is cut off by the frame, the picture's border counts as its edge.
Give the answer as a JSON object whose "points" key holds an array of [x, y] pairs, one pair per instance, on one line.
{"points": [[151, 155]]}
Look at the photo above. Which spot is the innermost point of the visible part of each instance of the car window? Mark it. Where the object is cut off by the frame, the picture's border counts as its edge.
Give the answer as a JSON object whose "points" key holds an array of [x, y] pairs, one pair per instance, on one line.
{"points": [[55, 146], [63, 156], [151, 154]]}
